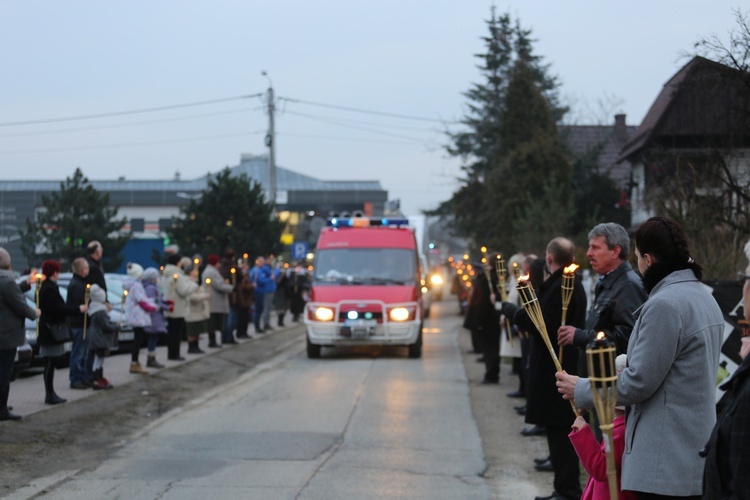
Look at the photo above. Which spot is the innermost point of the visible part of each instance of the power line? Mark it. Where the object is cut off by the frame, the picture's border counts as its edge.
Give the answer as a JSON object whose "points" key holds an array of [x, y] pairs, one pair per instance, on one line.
{"points": [[356, 127], [132, 144], [130, 112], [345, 121], [343, 139], [130, 124], [366, 111]]}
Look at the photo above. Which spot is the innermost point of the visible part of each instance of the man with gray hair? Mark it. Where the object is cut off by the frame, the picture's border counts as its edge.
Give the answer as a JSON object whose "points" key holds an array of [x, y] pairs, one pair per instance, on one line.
{"points": [[617, 295], [13, 310]]}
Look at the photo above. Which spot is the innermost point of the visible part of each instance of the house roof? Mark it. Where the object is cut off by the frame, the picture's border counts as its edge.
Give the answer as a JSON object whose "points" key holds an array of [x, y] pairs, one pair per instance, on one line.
{"points": [[705, 88]]}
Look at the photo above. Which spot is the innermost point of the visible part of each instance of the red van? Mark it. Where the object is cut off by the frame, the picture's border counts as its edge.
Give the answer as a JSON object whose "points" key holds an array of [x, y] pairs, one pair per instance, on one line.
{"points": [[366, 286]]}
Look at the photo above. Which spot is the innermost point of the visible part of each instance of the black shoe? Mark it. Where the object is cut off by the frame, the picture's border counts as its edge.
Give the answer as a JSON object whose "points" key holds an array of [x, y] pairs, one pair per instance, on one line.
{"points": [[195, 350], [544, 467], [229, 342], [534, 431], [79, 385], [54, 399], [521, 410], [480, 360], [178, 358], [516, 394], [553, 496], [489, 381], [245, 336], [539, 461], [260, 330], [267, 327], [9, 416]]}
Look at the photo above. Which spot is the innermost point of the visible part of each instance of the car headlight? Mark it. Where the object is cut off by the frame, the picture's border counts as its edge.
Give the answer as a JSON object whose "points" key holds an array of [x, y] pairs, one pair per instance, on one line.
{"points": [[399, 314], [323, 314], [436, 279]]}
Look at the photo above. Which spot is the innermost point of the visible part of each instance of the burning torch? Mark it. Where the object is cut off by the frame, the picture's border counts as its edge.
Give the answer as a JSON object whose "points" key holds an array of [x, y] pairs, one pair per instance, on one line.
{"points": [[38, 289], [568, 282], [86, 299]]}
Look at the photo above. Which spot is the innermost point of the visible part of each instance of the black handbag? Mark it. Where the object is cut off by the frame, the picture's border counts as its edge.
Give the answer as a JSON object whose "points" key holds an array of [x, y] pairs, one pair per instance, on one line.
{"points": [[59, 332]]}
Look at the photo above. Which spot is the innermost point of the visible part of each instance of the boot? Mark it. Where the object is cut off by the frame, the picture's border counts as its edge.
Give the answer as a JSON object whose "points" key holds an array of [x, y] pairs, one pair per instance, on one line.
{"points": [[5, 413], [100, 382], [193, 348], [212, 340], [281, 319], [135, 367], [50, 397], [152, 363]]}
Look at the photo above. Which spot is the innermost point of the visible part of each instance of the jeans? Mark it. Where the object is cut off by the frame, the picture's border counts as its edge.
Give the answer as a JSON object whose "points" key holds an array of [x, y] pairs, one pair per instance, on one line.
{"points": [[267, 306], [231, 324], [258, 310], [79, 366]]}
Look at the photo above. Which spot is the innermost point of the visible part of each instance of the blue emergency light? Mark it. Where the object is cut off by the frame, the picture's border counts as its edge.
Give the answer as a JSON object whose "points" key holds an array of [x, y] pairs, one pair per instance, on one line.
{"points": [[341, 222]]}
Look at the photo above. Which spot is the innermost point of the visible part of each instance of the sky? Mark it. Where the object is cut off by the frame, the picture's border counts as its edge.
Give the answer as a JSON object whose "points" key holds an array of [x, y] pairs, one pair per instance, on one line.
{"points": [[403, 65]]}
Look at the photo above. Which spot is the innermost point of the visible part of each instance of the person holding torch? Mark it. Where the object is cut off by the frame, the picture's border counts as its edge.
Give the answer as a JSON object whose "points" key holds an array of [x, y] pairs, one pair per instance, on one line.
{"points": [[543, 405], [673, 358]]}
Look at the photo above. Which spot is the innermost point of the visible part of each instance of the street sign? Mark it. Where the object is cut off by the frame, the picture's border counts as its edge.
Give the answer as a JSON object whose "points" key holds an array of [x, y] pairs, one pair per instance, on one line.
{"points": [[299, 250]]}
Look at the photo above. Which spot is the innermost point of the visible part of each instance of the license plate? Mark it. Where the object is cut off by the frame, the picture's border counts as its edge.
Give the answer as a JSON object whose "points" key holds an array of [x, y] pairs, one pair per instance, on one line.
{"points": [[358, 328]]}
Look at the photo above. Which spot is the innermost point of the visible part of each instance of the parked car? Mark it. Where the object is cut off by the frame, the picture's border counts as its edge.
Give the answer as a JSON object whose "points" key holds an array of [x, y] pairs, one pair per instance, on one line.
{"points": [[126, 334], [24, 354]]}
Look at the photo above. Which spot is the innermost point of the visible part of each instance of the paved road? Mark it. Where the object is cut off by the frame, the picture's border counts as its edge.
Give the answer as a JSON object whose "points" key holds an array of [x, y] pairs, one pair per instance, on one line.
{"points": [[359, 423]]}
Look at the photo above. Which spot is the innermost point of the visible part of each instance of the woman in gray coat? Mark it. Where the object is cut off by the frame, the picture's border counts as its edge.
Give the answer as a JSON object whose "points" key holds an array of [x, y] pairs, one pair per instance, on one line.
{"points": [[673, 357]]}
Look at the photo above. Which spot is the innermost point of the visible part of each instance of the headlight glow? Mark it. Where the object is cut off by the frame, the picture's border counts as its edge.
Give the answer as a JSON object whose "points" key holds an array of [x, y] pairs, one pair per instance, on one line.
{"points": [[352, 315], [436, 279], [399, 314], [323, 314]]}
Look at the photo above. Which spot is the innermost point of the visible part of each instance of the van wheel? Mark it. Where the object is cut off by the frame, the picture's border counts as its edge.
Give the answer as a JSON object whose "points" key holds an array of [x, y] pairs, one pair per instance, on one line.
{"points": [[313, 350], [415, 349]]}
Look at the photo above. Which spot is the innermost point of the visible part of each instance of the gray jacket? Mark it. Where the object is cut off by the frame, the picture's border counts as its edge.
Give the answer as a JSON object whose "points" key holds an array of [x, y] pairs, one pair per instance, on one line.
{"points": [[13, 310], [618, 295], [669, 384], [219, 290]]}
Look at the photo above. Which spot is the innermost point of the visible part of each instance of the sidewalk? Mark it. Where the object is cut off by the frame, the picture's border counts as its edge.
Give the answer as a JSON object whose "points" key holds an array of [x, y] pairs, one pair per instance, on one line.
{"points": [[27, 391]]}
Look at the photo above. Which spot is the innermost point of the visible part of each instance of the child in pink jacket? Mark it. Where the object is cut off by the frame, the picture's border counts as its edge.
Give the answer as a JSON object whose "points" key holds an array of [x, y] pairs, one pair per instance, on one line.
{"points": [[592, 455]]}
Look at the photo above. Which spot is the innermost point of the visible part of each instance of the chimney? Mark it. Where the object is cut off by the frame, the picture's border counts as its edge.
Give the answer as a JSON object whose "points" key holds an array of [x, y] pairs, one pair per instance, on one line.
{"points": [[621, 130]]}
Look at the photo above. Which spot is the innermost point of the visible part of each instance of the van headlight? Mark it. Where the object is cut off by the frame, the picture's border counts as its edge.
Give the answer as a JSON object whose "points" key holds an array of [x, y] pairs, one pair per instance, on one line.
{"points": [[436, 279], [323, 314], [399, 314]]}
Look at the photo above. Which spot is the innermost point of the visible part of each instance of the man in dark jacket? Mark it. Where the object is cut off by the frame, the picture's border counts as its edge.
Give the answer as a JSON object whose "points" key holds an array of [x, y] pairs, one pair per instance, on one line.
{"points": [[13, 311], [544, 406], [484, 320], [79, 375], [618, 294], [96, 270]]}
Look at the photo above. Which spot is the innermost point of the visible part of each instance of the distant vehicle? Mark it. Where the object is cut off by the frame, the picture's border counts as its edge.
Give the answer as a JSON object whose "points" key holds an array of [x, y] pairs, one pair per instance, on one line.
{"points": [[366, 286]]}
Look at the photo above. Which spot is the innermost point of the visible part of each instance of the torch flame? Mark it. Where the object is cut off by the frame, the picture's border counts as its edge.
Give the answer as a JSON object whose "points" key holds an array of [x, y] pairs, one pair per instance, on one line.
{"points": [[208, 281], [571, 269], [233, 270], [124, 293], [175, 276], [524, 278], [196, 261], [38, 276], [600, 336], [88, 285]]}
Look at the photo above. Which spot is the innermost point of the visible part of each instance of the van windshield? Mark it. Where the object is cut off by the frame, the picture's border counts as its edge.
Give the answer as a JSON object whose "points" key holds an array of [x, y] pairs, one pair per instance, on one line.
{"points": [[366, 266]]}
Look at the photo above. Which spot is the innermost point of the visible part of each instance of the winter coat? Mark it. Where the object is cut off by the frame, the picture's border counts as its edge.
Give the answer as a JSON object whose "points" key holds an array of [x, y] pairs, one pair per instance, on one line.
{"points": [[177, 290], [76, 297], [158, 320], [481, 314], [727, 472], [617, 296], [219, 289], [102, 332], [199, 308], [594, 460], [544, 406], [262, 279], [669, 384], [242, 293], [138, 305], [13, 310], [54, 310]]}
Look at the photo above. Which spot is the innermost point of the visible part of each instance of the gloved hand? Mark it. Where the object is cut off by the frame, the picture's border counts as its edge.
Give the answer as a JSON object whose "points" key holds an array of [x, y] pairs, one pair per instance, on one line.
{"points": [[509, 310]]}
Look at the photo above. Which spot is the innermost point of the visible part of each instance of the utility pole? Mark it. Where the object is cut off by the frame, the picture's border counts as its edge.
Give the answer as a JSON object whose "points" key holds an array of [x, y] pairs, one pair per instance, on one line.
{"points": [[271, 143]]}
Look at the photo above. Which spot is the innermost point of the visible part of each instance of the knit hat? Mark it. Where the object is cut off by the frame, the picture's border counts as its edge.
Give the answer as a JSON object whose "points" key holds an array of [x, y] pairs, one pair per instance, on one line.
{"points": [[213, 259], [150, 274], [134, 270], [98, 299]]}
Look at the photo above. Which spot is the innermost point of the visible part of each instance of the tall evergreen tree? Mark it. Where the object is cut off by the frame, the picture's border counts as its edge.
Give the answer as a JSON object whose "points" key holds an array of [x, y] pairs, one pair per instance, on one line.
{"points": [[231, 213], [69, 219]]}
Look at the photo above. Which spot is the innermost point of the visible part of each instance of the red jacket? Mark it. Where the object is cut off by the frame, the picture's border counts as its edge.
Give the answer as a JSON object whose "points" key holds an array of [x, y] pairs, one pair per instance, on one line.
{"points": [[594, 461]]}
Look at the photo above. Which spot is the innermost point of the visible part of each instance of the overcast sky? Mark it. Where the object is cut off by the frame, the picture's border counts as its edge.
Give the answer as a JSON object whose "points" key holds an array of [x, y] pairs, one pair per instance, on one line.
{"points": [[402, 57]]}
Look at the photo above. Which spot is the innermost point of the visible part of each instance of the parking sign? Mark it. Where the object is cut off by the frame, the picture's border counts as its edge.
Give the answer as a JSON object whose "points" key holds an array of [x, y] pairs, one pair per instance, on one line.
{"points": [[299, 250]]}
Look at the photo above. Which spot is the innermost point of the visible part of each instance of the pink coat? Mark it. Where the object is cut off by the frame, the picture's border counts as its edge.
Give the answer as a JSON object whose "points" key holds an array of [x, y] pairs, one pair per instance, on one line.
{"points": [[594, 461]]}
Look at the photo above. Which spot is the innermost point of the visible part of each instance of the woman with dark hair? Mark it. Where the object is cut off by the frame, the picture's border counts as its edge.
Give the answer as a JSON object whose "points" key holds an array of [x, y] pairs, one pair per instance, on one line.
{"points": [[673, 357], [54, 311]]}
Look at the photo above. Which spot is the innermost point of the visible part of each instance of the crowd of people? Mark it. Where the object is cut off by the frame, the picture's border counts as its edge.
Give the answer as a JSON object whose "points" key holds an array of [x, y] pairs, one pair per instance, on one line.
{"points": [[668, 332], [183, 300]]}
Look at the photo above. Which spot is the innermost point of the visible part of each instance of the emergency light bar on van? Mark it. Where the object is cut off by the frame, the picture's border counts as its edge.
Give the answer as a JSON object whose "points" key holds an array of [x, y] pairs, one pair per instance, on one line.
{"points": [[365, 222]]}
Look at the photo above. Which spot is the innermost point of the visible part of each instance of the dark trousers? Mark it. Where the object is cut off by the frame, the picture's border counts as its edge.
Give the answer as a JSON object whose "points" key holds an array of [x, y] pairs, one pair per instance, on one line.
{"points": [[243, 320], [79, 350], [7, 358], [138, 336], [564, 462], [491, 352], [656, 496], [176, 328], [258, 298]]}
